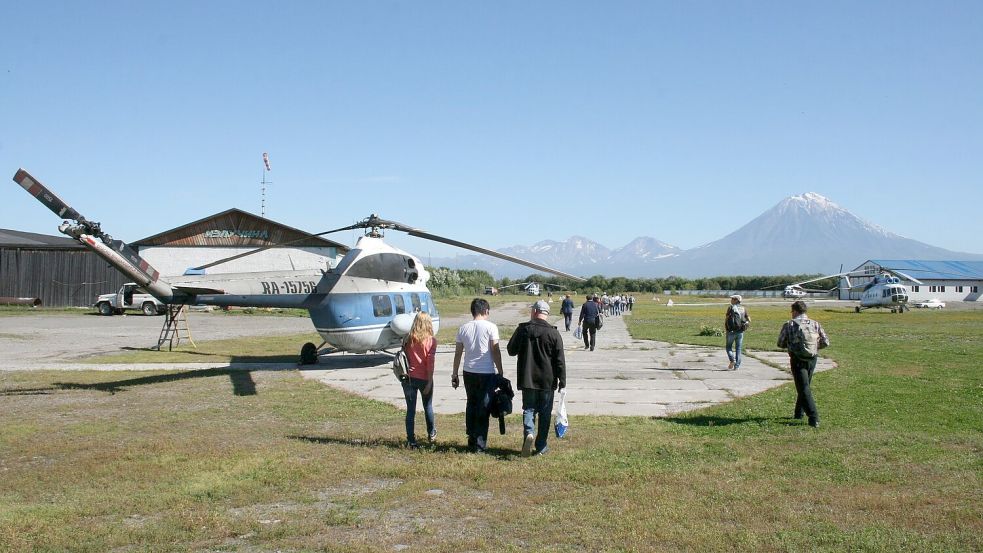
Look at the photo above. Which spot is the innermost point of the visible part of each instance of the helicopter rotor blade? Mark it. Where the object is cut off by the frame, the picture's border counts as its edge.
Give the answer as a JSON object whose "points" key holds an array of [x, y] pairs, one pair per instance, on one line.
{"points": [[493, 253]]}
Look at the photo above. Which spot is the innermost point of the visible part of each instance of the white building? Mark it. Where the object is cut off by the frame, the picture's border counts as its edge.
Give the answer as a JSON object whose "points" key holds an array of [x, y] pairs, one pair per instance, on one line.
{"points": [[945, 280], [233, 232]]}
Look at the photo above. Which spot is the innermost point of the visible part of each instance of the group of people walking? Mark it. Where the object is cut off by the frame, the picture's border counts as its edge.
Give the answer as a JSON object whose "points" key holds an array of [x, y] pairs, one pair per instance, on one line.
{"points": [[541, 365], [541, 371], [801, 336]]}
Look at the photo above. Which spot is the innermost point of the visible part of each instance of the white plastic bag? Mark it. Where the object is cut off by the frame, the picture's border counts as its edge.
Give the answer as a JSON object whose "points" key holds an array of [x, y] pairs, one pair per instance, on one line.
{"points": [[561, 415], [578, 334]]}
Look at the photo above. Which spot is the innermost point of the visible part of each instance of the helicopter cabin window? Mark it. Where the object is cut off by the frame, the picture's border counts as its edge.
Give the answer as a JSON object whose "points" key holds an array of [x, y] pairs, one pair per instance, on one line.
{"points": [[385, 266], [400, 304], [914, 288], [382, 306], [415, 299], [959, 289], [974, 289]]}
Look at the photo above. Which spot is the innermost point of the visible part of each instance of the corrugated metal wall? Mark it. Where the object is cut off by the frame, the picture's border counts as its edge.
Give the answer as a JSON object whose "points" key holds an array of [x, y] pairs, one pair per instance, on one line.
{"points": [[61, 278]]}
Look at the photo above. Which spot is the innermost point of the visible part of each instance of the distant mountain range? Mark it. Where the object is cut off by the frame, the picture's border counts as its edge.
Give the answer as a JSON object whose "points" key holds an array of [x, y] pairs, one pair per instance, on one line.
{"points": [[801, 234]]}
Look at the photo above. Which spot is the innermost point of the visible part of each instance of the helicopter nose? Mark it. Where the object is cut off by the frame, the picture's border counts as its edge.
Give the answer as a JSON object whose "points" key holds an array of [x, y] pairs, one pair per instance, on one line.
{"points": [[402, 323]]}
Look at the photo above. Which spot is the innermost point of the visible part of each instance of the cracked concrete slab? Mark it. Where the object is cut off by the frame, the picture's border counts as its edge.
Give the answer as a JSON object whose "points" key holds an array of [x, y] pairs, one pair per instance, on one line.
{"points": [[623, 376]]}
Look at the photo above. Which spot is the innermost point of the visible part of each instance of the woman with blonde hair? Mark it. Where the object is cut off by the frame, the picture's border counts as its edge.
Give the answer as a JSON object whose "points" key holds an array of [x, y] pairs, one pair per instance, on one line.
{"points": [[421, 350]]}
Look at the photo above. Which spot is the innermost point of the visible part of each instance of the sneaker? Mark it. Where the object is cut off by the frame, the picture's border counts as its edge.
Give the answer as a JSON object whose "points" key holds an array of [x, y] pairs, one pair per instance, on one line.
{"points": [[527, 444], [541, 452], [730, 367], [413, 445], [432, 436]]}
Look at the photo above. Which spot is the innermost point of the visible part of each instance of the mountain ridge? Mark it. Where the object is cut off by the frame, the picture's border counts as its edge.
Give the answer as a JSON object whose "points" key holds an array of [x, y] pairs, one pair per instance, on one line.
{"points": [[802, 234]]}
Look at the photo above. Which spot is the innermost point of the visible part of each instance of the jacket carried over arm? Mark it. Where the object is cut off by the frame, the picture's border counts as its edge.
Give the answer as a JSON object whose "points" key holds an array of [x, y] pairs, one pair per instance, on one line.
{"points": [[541, 364]]}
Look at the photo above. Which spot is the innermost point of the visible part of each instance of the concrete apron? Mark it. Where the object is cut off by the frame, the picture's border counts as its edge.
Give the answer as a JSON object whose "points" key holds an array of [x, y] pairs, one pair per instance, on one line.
{"points": [[622, 376]]}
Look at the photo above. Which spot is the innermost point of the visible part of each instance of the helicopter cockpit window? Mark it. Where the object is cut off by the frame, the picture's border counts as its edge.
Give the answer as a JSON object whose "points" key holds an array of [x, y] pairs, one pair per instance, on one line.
{"points": [[382, 306], [415, 298], [385, 266], [400, 305]]}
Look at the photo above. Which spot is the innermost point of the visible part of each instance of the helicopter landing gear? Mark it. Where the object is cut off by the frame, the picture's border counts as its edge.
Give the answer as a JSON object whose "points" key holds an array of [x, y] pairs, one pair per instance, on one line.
{"points": [[894, 311], [858, 309], [308, 354]]}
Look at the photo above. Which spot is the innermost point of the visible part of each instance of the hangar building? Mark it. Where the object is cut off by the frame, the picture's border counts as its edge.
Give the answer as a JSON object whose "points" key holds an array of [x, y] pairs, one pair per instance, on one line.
{"points": [[63, 273], [945, 280], [56, 269], [232, 232]]}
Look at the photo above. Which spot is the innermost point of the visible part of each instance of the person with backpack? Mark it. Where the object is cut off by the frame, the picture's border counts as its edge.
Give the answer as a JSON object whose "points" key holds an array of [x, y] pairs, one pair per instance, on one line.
{"points": [[736, 321], [803, 338], [541, 369], [421, 349]]}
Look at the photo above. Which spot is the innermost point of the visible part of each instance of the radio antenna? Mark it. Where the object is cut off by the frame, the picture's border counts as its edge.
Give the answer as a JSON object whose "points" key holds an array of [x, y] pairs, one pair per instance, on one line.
{"points": [[263, 183]]}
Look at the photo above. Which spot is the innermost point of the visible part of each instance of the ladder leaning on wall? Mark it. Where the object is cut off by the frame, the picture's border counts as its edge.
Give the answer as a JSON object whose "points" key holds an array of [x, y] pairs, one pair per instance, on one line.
{"points": [[175, 328]]}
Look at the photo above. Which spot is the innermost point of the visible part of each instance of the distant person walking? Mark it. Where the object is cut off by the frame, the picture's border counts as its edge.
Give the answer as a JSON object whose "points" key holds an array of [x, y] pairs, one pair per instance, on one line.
{"points": [[736, 322], [541, 370], [590, 311], [566, 308], [803, 338], [477, 344], [421, 350]]}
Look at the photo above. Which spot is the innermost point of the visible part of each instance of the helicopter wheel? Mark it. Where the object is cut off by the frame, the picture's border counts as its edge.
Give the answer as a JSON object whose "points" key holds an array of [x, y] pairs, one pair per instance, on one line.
{"points": [[308, 354], [894, 311], [858, 309]]}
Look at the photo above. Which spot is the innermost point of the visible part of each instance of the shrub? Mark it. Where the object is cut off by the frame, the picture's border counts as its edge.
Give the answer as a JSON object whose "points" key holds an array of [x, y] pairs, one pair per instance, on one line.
{"points": [[707, 330]]}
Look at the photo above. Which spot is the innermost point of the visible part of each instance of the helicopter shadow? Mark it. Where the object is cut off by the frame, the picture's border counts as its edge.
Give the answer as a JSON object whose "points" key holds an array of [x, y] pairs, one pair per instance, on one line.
{"points": [[241, 380], [337, 362]]}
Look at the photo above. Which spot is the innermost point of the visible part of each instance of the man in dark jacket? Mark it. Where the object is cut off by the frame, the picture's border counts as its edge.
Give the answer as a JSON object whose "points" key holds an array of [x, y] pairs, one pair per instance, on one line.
{"points": [[567, 309], [589, 313], [541, 370]]}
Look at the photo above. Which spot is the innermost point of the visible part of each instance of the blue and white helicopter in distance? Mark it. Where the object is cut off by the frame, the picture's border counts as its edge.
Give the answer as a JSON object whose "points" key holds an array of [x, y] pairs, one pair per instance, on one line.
{"points": [[884, 290], [366, 303]]}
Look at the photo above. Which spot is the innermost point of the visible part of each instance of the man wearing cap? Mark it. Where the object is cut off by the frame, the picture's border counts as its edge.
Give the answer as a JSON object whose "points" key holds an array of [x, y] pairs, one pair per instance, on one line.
{"points": [[541, 369], [736, 321]]}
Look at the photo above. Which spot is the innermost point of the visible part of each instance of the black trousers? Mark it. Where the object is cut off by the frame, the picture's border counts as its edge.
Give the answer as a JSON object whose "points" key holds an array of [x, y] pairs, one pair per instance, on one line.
{"points": [[476, 412], [590, 334], [802, 370], [567, 319]]}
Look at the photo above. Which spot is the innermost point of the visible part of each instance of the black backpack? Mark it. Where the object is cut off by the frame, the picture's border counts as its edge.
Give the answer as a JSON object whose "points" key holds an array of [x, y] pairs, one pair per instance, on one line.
{"points": [[735, 319]]}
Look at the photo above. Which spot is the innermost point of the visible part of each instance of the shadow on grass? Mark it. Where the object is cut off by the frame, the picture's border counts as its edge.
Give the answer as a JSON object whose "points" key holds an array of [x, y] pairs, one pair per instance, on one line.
{"points": [[242, 381], [711, 420], [390, 443]]}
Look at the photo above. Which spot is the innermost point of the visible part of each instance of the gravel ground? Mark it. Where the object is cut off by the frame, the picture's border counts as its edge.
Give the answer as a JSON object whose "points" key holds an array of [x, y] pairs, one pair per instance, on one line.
{"points": [[48, 340]]}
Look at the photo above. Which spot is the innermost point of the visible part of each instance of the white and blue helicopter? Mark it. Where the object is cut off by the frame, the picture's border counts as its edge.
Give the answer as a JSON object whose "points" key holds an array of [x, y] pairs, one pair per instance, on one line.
{"points": [[531, 288], [366, 303], [884, 290]]}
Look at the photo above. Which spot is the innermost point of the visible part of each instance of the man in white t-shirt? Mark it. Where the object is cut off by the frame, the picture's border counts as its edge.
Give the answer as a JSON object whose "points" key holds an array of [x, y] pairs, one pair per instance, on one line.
{"points": [[477, 343]]}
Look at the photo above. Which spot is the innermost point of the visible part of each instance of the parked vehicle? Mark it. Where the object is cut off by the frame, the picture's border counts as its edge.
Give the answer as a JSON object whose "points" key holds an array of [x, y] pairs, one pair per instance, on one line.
{"points": [[129, 297], [934, 303]]}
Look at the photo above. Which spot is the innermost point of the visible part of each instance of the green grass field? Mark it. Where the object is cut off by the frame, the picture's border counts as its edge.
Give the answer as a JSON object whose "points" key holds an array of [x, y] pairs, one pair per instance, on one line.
{"points": [[262, 461]]}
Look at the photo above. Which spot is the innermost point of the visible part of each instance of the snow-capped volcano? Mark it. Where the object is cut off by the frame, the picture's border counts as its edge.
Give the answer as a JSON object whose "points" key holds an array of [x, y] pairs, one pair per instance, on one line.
{"points": [[806, 233]]}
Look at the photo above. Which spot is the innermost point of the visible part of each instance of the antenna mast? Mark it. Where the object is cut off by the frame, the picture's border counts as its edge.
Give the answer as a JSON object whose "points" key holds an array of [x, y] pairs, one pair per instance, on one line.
{"points": [[263, 183]]}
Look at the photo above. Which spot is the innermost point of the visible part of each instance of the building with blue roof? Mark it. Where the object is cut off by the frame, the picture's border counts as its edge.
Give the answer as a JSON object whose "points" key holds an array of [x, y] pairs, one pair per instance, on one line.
{"points": [[945, 280]]}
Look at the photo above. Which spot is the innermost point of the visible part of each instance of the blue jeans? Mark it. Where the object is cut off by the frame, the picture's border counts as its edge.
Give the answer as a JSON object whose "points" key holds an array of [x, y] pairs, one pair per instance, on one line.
{"points": [[537, 403], [476, 413], [410, 387], [734, 336]]}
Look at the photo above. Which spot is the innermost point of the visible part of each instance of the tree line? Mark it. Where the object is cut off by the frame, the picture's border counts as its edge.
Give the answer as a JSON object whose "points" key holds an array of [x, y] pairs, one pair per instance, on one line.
{"points": [[455, 282]]}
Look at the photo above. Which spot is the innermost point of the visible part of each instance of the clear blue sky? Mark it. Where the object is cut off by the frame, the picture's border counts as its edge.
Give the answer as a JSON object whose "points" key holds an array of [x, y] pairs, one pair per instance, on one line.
{"points": [[497, 123]]}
